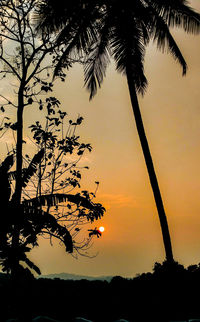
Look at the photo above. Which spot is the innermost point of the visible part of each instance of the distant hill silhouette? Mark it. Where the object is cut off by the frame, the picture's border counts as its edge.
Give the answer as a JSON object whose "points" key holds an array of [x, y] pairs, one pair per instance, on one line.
{"points": [[75, 277]]}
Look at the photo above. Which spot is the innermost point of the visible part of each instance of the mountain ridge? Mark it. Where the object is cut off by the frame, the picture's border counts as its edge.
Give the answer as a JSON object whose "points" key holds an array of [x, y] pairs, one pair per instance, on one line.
{"points": [[76, 277]]}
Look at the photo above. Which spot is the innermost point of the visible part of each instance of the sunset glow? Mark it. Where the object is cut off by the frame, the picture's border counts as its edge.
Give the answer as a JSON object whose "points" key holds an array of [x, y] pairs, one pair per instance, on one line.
{"points": [[101, 229], [115, 173]]}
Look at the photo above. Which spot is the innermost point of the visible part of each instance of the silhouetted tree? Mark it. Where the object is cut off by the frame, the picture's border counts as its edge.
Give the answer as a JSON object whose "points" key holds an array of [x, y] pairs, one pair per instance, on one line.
{"points": [[122, 30], [47, 183], [28, 59]]}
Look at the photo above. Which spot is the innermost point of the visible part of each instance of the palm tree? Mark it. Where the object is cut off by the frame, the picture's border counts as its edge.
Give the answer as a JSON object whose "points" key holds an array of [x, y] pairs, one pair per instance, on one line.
{"points": [[122, 29]]}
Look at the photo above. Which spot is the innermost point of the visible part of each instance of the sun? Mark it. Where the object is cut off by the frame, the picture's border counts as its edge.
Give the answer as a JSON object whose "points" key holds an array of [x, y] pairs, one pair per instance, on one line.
{"points": [[101, 229]]}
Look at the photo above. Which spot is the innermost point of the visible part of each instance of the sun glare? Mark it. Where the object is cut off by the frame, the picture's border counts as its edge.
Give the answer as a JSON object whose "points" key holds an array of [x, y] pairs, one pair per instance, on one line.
{"points": [[101, 229]]}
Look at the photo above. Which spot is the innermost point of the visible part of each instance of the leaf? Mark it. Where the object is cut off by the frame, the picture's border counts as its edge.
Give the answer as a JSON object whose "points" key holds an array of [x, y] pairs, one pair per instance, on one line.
{"points": [[30, 100], [7, 164], [94, 232], [80, 152], [96, 209], [32, 168], [41, 219], [79, 120], [32, 265], [5, 188], [14, 126]]}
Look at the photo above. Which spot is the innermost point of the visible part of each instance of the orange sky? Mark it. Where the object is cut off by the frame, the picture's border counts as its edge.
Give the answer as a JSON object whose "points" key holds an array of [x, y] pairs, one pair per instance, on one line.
{"points": [[132, 240]]}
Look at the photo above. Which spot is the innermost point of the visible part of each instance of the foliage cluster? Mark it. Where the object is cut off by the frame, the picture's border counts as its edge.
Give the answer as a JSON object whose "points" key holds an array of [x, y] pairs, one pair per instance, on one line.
{"points": [[36, 191], [48, 207]]}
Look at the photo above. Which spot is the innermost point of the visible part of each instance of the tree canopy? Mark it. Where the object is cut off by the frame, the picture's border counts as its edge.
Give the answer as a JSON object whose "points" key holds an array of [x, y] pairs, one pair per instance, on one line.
{"points": [[40, 194]]}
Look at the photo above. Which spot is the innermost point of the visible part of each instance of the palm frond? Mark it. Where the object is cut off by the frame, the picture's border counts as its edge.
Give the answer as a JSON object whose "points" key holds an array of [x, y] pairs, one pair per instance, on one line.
{"points": [[128, 51], [77, 41], [50, 17], [160, 33], [178, 13], [97, 61], [75, 25], [32, 168], [64, 59]]}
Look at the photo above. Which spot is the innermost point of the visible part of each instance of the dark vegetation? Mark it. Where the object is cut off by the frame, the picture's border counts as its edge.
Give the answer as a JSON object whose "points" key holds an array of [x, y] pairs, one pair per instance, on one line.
{"points": [[88, 32], [40, 177], [170, 292]]}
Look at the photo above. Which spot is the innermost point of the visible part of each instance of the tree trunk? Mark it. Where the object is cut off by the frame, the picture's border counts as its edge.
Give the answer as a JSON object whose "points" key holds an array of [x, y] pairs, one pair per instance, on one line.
{"points": [[16, 200], [150, 168], [19, 159]]}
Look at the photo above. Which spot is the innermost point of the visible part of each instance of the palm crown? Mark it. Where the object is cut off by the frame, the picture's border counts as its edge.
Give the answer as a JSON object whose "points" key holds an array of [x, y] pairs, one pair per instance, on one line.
{"points": [[104, 28]]}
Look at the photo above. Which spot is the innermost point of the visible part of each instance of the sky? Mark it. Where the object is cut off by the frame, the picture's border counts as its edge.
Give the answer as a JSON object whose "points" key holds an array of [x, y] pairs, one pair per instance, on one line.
{"points": [[132, 241]]}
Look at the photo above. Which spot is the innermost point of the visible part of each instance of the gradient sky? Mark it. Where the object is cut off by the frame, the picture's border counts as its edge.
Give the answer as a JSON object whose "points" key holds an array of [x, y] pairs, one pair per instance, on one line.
{"points": [[132, 241]]}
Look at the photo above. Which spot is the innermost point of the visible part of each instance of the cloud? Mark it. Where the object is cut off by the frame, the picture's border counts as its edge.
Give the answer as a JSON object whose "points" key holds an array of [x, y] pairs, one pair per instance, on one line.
{"points": [[117, 201]]}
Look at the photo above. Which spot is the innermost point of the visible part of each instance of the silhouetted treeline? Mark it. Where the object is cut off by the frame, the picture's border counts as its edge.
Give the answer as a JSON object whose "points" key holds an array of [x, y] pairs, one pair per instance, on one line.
{"points": [[160, 296]]}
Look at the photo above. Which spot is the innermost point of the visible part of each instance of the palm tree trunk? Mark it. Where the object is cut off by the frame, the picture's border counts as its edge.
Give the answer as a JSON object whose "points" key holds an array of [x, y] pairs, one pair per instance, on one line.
{"points": [[150, 168]]}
